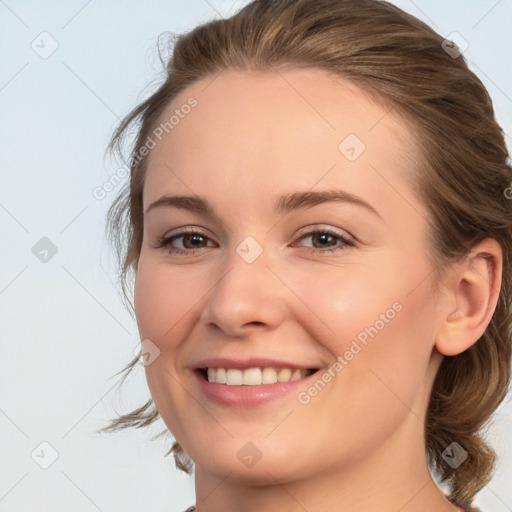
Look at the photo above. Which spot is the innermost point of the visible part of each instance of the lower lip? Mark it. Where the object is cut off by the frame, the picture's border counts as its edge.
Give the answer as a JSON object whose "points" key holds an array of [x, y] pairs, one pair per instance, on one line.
{"points": [[248, 396]]}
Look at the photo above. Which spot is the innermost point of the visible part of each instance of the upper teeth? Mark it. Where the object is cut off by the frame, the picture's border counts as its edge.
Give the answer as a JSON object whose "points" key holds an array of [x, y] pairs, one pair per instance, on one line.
{"points": [[254, 376]]}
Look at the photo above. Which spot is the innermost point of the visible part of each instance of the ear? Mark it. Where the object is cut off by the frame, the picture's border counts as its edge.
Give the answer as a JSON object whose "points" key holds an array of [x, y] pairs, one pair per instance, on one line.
{"points": [[473, 288]]}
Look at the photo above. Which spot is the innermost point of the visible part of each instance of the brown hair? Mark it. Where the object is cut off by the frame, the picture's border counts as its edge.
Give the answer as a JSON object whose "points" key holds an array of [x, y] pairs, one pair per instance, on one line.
{"points": [[462, 177]]}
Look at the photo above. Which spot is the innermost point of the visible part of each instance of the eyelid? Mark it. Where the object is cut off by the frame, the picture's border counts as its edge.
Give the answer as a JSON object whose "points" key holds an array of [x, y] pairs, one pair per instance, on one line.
{"points": [[189, 230], [328, 229]]}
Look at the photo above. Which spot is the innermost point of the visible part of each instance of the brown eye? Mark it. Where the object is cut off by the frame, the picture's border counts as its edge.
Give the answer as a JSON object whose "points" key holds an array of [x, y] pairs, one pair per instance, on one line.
{"points": [[191, 241], [325, 240]]}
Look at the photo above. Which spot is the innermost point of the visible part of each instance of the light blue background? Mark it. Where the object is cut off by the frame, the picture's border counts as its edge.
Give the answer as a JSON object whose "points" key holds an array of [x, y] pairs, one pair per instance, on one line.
{"points": [[63, 328]]}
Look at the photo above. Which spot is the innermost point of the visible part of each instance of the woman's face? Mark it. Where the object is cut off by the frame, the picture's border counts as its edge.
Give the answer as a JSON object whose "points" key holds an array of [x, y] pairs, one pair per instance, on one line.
{"points": [[282, 276]]}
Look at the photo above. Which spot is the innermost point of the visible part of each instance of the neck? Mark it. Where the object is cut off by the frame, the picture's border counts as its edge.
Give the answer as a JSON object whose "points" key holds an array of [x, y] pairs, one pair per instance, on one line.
{"points": [[394, 478]]}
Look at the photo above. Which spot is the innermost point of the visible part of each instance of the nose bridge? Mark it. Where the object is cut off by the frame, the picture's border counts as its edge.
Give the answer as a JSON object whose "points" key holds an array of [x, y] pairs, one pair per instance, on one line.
{"points": [[246, 292]]}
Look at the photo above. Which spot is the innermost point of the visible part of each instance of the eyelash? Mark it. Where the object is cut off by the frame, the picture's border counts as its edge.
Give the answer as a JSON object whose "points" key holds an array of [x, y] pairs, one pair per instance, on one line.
{"points": [[166, 241]]}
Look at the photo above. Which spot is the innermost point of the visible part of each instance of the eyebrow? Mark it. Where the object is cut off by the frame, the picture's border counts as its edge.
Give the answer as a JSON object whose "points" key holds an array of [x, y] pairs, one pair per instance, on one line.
{"points": [[284, 204]]}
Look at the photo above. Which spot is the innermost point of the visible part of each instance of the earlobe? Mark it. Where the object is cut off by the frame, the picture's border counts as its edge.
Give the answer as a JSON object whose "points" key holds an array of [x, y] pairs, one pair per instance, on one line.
{"points": [[475, 291]]}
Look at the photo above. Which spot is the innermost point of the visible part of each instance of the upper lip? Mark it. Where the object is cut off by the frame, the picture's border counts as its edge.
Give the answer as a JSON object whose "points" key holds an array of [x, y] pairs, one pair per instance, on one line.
{"points": [[253, 362]]}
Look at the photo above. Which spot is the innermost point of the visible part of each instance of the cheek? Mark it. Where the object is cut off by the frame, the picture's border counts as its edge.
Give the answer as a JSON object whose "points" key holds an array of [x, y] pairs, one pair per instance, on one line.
{"points": [[382, 333], [162, 299], [381, 321], [348, 300]]}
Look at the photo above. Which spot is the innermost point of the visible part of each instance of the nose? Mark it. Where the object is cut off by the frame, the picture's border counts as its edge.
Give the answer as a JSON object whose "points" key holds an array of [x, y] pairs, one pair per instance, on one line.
{"points": [[246, 298]]}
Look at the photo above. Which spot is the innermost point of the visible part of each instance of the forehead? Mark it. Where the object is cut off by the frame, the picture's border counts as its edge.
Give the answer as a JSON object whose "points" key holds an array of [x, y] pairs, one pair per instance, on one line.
{"points": [[276, 128]]}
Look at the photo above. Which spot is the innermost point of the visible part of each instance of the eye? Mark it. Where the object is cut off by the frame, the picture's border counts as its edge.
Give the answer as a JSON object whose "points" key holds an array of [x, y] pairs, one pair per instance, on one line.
{"points": [[192, 241], [331, 240]]}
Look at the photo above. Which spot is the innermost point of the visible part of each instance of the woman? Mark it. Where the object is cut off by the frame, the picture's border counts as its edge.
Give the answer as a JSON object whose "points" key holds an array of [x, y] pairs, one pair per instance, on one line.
{"points": [[321, 234]]}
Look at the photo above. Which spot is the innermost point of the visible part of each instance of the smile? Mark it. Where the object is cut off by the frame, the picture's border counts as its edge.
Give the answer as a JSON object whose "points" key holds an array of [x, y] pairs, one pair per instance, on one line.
{"points": [[251, 386]]}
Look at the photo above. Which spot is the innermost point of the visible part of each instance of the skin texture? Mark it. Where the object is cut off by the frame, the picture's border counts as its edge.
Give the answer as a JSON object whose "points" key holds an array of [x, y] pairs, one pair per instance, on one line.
{"points": [[358, 444]]}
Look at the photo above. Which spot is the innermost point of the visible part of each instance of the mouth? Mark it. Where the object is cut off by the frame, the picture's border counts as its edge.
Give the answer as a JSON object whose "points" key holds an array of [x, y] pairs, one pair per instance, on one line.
{"points": [[256, 376]]}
